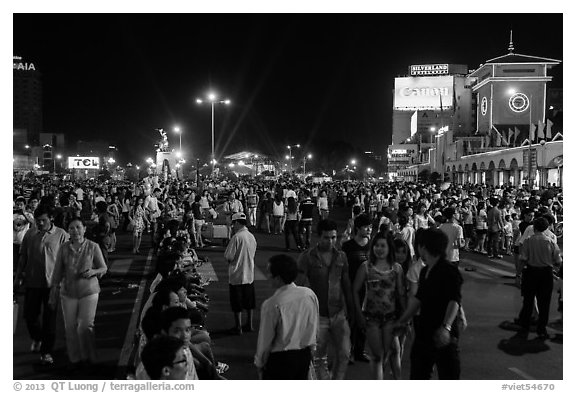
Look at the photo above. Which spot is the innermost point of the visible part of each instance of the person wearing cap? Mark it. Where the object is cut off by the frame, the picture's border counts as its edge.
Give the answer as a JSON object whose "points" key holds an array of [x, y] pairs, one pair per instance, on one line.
{"points": [[240, 256]]}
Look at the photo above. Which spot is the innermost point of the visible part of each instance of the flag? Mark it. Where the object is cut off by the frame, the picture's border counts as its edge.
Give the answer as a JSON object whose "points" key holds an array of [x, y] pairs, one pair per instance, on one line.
{"points": [[549, 125], [469, 147], [540, 130], [516, 133], [510, 133], [487, 143], [532, 132], [498, 138]]}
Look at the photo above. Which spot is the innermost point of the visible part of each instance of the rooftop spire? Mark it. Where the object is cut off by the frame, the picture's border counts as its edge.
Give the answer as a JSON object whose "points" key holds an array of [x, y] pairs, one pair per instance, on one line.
{"points": [[511, 44]]}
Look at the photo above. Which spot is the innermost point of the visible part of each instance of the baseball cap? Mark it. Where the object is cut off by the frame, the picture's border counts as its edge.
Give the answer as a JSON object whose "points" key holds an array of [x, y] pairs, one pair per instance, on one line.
{"points": [[238, 216]]}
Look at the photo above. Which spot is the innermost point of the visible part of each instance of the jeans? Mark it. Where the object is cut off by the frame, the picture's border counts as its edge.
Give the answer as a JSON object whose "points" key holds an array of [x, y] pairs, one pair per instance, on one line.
{"points": [[291, 227], [334, 331], [79, 326], [425, 355], [305, 227], [40, 317], [537, 282]]}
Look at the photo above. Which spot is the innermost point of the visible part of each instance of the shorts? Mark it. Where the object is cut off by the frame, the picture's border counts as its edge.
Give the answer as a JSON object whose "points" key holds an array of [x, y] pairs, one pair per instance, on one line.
{"points": [[481, 231], [242, 297], [378, 321], [468, 230]]}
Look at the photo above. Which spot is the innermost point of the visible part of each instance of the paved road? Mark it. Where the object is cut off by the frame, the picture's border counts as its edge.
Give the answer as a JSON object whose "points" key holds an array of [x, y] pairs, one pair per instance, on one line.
{"points": [[488, 352]]}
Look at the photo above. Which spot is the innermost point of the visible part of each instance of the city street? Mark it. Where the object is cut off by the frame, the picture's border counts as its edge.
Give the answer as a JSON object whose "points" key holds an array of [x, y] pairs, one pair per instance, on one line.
{"points": [[488, 351]]}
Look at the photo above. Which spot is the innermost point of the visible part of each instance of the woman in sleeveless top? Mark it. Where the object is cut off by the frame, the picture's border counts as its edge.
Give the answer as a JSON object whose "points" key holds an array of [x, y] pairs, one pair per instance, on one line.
{"points": [[383, 280]]}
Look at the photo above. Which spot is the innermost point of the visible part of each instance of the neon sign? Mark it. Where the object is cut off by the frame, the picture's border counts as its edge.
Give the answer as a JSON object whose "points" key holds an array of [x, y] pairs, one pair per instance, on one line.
{"points": [[22, 66]]}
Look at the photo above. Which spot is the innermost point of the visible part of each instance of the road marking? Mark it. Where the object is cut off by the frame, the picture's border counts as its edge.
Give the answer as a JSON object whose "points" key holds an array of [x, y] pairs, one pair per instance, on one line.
{"points": [[121, 266], [520, 373], [129, 339]]}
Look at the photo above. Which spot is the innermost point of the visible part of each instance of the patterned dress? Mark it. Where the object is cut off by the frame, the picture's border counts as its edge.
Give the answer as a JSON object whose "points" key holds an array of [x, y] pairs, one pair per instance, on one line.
{"points": [[138, 219], [380, 301]]}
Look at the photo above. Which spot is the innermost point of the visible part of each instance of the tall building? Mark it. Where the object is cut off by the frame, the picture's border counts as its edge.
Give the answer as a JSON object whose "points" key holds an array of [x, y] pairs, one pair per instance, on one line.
{"points": [[27, 99], [430, 98]]}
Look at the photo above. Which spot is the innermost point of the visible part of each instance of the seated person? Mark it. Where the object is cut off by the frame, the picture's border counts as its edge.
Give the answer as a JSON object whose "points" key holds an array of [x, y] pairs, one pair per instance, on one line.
{"points": [[177, 322], [169, 358]]}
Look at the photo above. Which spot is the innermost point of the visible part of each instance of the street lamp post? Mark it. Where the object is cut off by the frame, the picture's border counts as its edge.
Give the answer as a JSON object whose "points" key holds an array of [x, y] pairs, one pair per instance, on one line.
{"points": [[309, 156], [178, 131], [290, 151], [58, 157], [213, 100]]}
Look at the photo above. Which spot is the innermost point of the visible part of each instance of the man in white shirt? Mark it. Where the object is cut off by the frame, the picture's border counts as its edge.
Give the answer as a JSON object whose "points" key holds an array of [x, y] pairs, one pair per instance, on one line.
{"points": [[288, 325], [152, 209], [455, 235], [240, 256]]}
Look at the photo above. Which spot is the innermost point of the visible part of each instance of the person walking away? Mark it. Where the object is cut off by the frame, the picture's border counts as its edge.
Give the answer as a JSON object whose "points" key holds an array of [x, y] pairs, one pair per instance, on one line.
{"points": [[289, 323], [324, 269], [277, 214], [78, 267], [438, 299], [455, 235], [291, 224], [240, 254], [306, 210], [38, 254], [539, 256], [356, 250]]}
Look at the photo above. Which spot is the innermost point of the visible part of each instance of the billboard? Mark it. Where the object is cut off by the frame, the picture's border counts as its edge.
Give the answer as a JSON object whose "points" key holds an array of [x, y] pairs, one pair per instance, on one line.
{"points": [[83, 162], [423, 93], [429, 69]]}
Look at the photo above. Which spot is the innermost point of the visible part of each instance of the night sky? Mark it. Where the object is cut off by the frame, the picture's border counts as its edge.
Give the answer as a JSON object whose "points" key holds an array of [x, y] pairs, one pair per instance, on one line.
{"points": [[292, 79]]}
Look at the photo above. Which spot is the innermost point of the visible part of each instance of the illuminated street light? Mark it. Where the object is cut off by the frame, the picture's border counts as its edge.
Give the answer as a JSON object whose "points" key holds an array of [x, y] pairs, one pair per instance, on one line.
{"points": [[307, 157], [26, 147], [353, 161], [178, 131], [213, 100], [289, 147]]}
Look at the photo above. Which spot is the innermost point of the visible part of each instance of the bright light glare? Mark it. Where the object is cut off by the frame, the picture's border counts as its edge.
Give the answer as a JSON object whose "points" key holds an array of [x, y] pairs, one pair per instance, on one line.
{"points": [[240, 162], [231, 165], [297, 145], [353, 162], [432, 129], [177, 129], [198, 101], [309, 156], [212, 96], [227, 102], [511, 91], [179, 154], [58, 156], [287, 157]]}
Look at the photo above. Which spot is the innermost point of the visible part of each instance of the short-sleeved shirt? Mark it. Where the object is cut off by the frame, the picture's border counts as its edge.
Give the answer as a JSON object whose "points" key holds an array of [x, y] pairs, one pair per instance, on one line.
{"points": [[39, 251], [325, 280], [240, 255], [435, 292], [356, 255]]}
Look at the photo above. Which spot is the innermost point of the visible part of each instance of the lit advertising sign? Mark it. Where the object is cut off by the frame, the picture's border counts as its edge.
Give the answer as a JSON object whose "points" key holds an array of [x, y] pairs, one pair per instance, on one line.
{"points": [[83, 162], [19, 65], [423, 93], [429, 69]]}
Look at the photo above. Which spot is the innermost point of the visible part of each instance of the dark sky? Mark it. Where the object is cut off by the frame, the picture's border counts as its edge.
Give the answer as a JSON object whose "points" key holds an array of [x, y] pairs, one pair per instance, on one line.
{"points": [[291, 78]]}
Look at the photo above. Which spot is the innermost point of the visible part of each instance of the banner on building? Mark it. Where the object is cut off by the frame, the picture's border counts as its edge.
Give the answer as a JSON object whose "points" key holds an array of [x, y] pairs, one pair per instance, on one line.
{"points": [[83, 162], [423, 93]]}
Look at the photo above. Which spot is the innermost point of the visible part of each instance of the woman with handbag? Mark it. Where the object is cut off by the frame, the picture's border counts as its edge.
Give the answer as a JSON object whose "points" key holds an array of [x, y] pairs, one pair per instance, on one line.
{"points": [[78, 267]]}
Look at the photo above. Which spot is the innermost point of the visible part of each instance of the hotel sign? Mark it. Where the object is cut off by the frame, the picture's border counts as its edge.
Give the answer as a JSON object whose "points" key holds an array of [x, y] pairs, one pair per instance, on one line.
{"points": [[83, 162], [429, 69]]}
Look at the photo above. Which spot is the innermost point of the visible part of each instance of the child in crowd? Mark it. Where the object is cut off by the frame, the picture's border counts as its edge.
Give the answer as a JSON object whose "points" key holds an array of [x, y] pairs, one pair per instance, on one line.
{"points": [[507, 234]]}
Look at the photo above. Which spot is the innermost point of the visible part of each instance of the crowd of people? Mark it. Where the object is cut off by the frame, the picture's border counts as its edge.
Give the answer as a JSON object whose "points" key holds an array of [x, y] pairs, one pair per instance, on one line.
{"points": [[358, 295]]}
